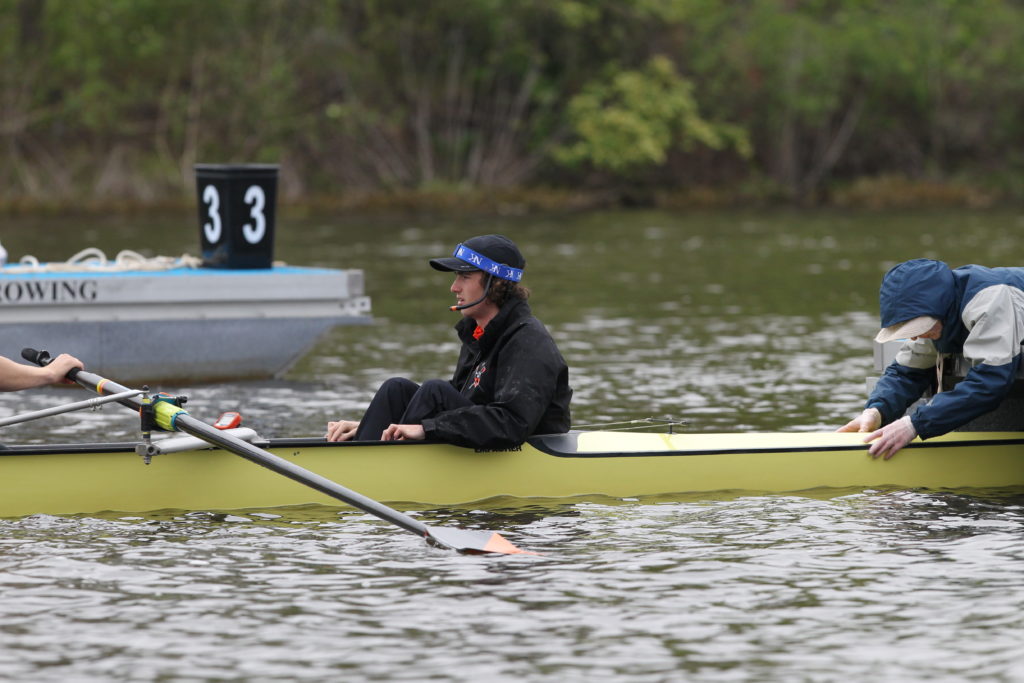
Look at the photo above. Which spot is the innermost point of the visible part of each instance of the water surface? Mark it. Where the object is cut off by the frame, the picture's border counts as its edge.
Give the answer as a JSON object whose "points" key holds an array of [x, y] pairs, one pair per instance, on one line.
{"points": [[732, 321]]}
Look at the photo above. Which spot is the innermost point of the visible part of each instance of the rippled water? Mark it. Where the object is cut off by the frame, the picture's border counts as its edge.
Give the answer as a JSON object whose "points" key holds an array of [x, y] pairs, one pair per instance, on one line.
{"points": [[859, 586], [732, 321]]}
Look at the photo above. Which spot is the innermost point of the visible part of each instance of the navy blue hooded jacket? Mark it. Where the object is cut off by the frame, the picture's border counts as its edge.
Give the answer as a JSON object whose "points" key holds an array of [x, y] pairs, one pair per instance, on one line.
{"points": [[982, 315]]}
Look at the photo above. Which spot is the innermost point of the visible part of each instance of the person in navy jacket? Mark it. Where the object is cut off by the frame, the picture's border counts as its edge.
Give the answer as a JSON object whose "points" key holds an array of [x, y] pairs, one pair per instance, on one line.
{"points": [[972, 310]]}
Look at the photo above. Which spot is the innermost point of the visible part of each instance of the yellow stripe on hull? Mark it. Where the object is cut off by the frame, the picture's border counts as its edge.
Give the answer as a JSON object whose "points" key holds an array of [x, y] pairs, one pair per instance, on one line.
{"points": [[617, 464]]}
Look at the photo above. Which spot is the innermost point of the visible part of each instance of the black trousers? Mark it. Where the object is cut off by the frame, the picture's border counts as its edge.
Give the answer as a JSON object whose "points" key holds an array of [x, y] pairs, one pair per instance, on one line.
{"points": [[402, 401]]}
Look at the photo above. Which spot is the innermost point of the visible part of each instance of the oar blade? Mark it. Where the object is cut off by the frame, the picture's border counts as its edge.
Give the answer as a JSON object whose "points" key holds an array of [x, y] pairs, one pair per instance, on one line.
{"points": [[473, 542]]}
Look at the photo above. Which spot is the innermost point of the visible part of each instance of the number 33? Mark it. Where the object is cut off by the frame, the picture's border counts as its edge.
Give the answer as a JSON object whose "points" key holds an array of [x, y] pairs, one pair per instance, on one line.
{"points": [[253, 232]]}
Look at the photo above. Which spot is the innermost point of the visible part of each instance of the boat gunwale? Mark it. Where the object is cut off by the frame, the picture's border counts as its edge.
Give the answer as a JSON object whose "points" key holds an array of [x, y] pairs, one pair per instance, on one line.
{"points": [[555, 445], [129, 446], [540, 444]]}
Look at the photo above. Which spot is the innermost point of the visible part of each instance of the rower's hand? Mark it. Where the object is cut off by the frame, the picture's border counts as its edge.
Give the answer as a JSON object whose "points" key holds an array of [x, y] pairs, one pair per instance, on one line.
{"points": [[60, 366], [891, 438], [342, 430], [403, 433], [868, 421]]}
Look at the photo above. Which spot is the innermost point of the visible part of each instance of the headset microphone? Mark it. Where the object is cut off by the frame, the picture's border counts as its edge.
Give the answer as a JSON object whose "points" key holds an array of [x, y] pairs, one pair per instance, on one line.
{"points": [[487, 289]]}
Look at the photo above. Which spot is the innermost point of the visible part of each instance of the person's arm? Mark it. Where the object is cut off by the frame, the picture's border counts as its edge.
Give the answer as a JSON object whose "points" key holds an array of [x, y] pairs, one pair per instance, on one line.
{"points": [[992, 348], [981, 391], [905, 380], [17, 376]]}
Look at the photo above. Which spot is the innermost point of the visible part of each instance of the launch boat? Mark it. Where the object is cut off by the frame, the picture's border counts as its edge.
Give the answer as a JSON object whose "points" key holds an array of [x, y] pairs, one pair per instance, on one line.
{"points": [[206, 324], [231, 313]]}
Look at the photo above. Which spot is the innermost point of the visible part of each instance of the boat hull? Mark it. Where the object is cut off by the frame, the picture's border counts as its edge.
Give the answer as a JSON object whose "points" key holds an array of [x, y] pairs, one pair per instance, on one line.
{"points": [[111, 477], [206, 350], [181, 324]]}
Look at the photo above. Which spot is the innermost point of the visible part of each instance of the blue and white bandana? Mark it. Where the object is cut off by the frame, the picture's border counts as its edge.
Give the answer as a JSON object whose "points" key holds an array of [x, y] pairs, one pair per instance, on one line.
{"points": [[477, 260]]}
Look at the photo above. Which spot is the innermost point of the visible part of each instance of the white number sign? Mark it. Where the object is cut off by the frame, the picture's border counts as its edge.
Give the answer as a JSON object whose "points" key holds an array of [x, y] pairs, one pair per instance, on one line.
{"points": [[212, 229], [255, 231]]}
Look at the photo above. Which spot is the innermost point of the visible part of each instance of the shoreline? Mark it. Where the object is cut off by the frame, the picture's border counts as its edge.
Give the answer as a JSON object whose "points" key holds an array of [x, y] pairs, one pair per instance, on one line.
{"points": [[879, 193]]}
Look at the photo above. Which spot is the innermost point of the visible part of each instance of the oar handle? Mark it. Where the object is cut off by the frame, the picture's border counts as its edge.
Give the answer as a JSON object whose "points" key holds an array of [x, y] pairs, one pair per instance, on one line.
{"points": [[86, 380], [42, 359]]}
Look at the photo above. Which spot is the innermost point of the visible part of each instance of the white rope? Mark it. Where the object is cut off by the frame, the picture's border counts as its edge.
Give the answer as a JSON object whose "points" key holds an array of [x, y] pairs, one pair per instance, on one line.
{"points": [[94, 260]]}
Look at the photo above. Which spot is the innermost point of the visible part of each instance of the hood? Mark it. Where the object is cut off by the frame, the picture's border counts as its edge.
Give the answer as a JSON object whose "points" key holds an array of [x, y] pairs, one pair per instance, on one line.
{"points": [[916, 288]]}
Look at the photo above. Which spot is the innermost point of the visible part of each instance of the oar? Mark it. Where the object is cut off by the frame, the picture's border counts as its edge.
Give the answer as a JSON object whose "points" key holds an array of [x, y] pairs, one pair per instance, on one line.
{"points": [[171, 417]]}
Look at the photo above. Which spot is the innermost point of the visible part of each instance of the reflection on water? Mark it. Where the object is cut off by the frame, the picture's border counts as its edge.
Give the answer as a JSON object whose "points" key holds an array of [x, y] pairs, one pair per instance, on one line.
{"points": [[733, 321]]}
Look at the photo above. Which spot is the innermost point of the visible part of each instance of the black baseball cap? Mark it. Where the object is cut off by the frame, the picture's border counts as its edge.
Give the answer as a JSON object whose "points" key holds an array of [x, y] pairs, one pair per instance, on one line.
{"points": [[501, 257]]}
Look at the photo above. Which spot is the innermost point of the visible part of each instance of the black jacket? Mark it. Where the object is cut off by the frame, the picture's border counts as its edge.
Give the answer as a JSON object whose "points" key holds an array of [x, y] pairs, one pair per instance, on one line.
{"points": [[516, 378]]}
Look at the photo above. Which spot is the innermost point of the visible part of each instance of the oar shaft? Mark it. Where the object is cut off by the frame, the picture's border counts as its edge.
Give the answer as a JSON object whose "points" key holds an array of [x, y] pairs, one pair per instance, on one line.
{"points": [[104, 386], [197, 428]]}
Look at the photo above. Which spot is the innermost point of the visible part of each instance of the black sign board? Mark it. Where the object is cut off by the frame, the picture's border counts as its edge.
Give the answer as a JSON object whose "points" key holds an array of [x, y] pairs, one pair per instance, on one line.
{"points": [[236, 214]]}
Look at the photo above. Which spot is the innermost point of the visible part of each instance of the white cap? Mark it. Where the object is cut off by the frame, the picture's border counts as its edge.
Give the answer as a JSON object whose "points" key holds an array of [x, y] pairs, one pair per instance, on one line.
{"points": [[914, 327]]}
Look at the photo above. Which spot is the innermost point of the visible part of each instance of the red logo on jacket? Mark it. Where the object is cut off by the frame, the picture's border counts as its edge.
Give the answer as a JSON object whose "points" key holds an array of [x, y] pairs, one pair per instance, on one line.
{"points": [[480, 369]]}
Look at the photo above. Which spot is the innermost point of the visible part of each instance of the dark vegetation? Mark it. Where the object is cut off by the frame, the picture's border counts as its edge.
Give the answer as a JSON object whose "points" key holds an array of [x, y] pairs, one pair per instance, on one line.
{"points": [[515, 103]]}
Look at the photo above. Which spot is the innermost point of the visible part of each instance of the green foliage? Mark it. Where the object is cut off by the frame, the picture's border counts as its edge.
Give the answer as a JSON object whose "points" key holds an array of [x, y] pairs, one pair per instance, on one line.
{"points": [[634, 118], [118, 98], [861, 87]]}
